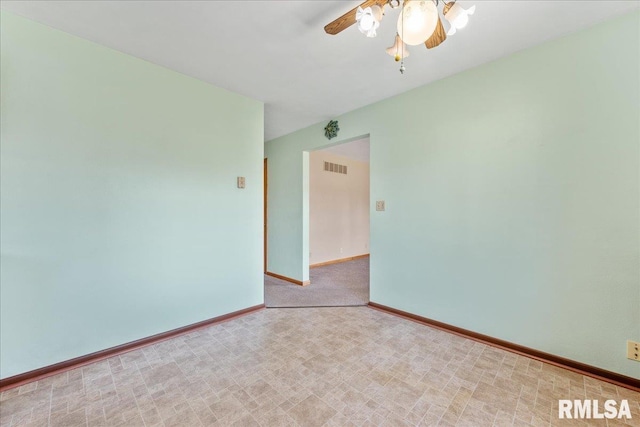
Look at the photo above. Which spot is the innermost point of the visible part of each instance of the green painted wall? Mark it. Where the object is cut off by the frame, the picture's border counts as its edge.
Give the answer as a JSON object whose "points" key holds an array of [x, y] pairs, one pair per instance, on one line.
{"points": [[120, 212], [512, 196]]}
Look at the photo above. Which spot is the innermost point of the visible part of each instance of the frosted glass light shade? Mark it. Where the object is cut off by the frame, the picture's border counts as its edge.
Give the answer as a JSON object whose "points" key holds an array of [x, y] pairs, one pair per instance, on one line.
{"points": [[457, 16], [399, 49], [417, 21], [378, 13], [369, 20]]}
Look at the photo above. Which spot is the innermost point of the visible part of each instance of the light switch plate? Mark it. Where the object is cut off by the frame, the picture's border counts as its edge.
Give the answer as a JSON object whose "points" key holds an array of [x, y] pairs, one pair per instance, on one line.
{"points": [[633, 350], [380, 205], [241, 182]]}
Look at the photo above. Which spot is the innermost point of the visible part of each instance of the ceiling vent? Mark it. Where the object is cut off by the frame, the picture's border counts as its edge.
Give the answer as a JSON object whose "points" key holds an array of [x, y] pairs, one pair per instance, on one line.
{"points": [[334, 167]]}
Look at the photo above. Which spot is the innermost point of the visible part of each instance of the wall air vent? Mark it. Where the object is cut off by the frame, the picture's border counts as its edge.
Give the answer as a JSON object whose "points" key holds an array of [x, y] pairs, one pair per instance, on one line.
{"points": [[334, 167]]}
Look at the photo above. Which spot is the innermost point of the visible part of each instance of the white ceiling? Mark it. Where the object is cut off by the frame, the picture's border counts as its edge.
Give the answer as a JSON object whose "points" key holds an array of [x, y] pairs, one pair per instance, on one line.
{"points": [[356, 150], [277, 51]]}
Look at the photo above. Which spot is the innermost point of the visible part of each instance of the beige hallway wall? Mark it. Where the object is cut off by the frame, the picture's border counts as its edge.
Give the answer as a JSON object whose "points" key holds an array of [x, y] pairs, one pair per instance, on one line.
{"points": [[338, 208]]}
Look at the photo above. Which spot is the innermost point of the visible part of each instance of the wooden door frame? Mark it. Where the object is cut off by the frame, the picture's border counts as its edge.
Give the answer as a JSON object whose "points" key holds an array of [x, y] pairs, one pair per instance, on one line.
{"points": [[265, 175]]}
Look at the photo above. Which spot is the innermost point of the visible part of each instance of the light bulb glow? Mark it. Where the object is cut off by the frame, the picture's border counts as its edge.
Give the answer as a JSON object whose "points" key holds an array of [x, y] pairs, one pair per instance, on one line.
{"points": [[417, 21], [367, 22], [462, 21]]}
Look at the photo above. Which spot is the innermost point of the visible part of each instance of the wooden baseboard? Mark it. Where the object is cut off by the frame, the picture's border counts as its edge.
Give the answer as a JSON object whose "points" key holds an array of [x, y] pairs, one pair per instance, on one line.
{"points": [[288, 279], [561, 362], [337, 261], [58, 368]]}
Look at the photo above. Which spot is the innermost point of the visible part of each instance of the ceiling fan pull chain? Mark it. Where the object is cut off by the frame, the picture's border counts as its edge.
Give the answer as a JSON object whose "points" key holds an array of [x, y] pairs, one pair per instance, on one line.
{"points": [[402, 37]]}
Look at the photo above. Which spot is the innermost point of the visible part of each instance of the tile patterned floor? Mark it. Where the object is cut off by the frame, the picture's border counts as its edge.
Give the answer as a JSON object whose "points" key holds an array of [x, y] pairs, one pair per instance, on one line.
{"points": [[346, 366]]}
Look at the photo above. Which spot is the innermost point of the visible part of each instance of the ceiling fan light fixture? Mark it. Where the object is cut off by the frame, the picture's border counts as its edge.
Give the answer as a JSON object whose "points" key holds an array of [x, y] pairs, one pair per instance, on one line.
{"points": [[417, 21], [457, 16], [369, 20], [398, 50]]}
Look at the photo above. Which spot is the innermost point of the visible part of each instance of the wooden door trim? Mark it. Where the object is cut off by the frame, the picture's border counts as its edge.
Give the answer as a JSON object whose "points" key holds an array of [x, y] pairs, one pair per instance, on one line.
{"points": [[264, 229]]}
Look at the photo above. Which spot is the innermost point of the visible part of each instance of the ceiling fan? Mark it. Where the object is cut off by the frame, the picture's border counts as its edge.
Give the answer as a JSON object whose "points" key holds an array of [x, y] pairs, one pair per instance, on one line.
{"points": [[419, 22]]}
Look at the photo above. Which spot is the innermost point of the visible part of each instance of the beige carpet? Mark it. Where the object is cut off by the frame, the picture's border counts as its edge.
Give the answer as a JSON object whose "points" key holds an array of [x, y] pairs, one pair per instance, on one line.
{"points": [[343, 284]]}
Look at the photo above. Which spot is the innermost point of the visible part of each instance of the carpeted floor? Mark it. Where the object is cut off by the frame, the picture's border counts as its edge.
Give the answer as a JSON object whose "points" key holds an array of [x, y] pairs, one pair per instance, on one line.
{"points": [[342, 284]]}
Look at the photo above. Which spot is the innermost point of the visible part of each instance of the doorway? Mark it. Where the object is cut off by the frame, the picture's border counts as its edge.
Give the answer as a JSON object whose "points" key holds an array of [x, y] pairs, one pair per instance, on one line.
{"points": [[338, 231]]}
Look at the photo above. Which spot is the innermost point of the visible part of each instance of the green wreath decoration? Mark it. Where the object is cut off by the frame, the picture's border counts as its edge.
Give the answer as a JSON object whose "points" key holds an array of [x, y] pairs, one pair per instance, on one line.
{"points": [[331, 130]]}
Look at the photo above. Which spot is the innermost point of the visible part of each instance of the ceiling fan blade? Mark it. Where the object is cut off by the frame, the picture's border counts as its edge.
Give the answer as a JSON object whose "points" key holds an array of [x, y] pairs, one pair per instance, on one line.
{"points": [[438, 36], [349, 18]]}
